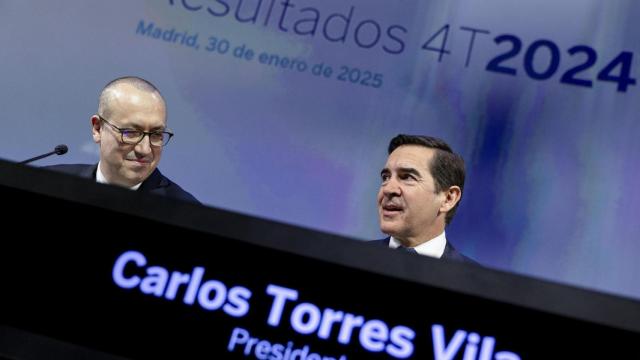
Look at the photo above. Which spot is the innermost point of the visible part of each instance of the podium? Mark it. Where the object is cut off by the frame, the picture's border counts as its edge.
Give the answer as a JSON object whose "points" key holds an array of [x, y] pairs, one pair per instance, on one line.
{"points": [[95, 271]]}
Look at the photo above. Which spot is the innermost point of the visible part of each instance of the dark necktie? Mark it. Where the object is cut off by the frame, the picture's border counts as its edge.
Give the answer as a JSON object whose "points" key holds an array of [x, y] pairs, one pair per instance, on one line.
{"points": [[406, 249]]}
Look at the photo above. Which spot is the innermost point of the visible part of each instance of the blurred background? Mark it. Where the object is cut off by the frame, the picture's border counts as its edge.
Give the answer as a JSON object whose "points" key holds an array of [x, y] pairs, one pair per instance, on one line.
{"points": [[539, 97]]}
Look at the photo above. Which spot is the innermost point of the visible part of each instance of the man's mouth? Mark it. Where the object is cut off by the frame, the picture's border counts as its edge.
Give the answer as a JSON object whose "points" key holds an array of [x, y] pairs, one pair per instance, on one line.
{"points": [[139, 161], [391, 208]]}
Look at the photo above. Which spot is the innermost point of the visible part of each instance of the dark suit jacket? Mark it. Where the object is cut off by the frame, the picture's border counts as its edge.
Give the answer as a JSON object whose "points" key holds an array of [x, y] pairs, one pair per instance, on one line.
{"points": [[450, 253], [156, 183]]}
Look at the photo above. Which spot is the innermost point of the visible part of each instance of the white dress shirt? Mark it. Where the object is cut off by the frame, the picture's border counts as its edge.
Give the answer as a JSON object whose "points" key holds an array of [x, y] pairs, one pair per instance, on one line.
{"points": [[434, 247], [103, 180]]}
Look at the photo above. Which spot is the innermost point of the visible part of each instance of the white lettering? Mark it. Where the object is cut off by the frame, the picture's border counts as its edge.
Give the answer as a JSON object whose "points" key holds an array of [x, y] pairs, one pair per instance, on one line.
{"points": [[441, 351], [118, 269], [374, 335], [281, 295], [155, 281], [311, 312]]}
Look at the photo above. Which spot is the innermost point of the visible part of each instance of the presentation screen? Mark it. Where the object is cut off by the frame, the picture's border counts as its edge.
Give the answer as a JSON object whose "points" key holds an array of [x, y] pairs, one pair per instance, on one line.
{"points": [[283, 109]]}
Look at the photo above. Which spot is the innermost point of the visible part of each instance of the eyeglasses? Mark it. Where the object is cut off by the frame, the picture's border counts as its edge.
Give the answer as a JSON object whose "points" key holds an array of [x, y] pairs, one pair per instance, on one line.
{"points": [[134, 137]]}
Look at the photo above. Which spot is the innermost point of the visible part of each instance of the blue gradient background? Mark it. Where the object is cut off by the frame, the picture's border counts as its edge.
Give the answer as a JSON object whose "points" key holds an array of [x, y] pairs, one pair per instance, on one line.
{"points": [[551, 188]]}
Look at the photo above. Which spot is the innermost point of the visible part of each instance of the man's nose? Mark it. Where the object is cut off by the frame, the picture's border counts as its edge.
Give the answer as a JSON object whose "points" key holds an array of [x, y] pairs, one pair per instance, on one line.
{"points": [[391, 187], [144, 146]]}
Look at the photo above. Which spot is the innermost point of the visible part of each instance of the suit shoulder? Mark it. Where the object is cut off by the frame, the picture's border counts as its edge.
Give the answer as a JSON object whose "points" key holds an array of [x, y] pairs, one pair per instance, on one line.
{"points": [[176, 191], [450, 253]]}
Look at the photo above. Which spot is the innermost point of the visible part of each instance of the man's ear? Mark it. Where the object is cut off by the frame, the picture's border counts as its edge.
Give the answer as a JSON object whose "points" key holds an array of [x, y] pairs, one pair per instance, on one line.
{"points": [[95, 128], [451, 197]]}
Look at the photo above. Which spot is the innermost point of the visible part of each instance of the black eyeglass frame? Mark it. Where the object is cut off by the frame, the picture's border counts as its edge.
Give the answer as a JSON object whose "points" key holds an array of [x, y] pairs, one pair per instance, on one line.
{"points": [[123, 131]]}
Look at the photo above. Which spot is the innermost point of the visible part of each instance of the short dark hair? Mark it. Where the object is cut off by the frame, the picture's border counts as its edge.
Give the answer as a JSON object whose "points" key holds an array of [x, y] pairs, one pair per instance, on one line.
{"points": [[447, 167]]}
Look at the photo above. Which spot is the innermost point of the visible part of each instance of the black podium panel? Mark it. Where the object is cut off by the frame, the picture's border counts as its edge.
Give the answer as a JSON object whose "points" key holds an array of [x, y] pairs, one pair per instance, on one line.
{"points": [[95, 271]]}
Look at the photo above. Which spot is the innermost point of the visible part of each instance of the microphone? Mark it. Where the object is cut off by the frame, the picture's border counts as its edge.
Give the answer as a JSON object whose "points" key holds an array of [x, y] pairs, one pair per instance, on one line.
{"points": [[59, 150]]}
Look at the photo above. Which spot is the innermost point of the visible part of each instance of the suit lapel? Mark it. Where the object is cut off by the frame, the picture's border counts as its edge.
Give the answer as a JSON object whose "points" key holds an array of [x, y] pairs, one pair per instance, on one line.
{"points": [[88, 172], [154, 181]]}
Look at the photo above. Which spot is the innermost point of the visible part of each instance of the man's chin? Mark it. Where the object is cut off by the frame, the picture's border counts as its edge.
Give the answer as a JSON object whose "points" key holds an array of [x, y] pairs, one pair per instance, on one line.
{"points": [[389, 229], [136, 177]]}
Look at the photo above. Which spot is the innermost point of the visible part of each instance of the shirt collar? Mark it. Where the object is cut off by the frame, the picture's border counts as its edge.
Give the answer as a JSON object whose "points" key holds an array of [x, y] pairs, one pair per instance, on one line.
{"points": [[434, 247], [103, 180]]}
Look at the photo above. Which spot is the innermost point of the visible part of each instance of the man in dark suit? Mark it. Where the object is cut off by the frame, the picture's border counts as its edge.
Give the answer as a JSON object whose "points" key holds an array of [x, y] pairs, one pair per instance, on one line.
{"points": [[131, 130], [156, 183], [422, 183]]}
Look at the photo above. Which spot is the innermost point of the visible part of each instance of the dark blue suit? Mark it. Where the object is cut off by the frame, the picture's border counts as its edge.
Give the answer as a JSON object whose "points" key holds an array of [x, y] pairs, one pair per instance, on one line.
{"points": [[156, 183], [450, 253]]}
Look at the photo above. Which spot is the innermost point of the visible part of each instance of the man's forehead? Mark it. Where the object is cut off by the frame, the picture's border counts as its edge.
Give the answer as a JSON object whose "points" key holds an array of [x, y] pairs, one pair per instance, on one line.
{"points": [[134, 111], [138, 120], [141, 123], [410, 156], [129, 96]]}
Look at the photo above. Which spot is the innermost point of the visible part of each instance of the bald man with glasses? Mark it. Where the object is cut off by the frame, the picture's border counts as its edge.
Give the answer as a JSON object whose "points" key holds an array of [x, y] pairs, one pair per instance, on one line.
{"points": [[131, 130]]}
